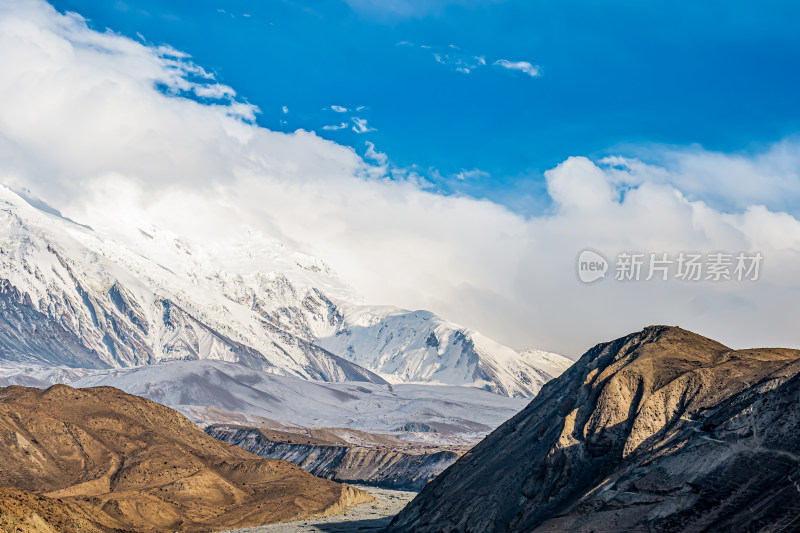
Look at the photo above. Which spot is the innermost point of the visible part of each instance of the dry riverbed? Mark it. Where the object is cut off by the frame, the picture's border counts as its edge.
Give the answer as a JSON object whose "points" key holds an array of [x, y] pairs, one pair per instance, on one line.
{"points": [[362, 518]]}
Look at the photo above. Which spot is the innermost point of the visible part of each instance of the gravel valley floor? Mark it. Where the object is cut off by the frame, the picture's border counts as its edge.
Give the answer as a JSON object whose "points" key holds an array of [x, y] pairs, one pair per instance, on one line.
{"points": [[361, 518]]}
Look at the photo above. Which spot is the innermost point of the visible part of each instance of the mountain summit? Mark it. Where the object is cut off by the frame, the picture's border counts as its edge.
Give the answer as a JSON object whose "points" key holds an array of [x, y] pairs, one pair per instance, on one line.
{"points": [[78, 297], [661, 430]]}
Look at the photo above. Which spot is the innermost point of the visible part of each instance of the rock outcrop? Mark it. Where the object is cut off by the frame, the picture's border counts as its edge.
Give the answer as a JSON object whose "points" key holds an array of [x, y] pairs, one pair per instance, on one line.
{"points": [[662, 430], [100, 459], [400, 465]]}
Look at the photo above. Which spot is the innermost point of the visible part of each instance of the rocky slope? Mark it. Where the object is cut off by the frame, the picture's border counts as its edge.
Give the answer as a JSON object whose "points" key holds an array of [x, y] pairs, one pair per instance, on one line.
{"points": [[79, 297], [25, 512], [662, 430], [381, 461], [116, 461]]}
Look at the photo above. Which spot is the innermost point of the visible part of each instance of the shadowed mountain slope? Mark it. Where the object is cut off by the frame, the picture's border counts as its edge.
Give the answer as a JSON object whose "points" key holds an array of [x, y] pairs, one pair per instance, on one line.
{"points": [[661, 430], [115, 461]]}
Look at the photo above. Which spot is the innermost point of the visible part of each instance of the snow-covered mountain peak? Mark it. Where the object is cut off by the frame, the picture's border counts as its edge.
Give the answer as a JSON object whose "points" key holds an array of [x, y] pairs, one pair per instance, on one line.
{"points": [[420, 347], [140, 294]]}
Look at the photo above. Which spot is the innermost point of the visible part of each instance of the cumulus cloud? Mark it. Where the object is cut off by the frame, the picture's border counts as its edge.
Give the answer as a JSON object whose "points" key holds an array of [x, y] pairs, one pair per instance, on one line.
{"points": [[114, 133], [339, 109], [732, 181], [522, 66]]}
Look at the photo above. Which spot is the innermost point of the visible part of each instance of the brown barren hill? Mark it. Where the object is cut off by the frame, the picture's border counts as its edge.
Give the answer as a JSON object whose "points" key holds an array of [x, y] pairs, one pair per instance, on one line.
{"points": [[100, 458], [25, 512], [662, 430]]}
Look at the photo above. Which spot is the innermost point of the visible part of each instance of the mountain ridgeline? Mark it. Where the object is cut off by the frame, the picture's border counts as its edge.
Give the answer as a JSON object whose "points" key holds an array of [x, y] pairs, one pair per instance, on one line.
{"points": [[662, 430], [80, 298]]}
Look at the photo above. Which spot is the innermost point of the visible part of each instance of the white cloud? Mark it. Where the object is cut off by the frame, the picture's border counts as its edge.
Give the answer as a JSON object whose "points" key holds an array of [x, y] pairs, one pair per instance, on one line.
{"points": [[215, 91], [472, 174], [733, 181], [335, 127], [285, 110], [522, 66], [339, 109], [374, 155], [459, 61], [360, 125], [98, 126]]}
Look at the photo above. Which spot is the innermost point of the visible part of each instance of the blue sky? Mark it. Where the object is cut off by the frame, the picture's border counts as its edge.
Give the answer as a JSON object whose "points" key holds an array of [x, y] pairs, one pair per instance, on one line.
{"points": [[657, 128], [612, 76]]}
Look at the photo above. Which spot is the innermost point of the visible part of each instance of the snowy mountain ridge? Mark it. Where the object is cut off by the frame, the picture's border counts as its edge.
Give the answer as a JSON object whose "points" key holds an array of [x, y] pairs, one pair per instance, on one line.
{"points": [[69, 297], [77, 297], [210, 392]]}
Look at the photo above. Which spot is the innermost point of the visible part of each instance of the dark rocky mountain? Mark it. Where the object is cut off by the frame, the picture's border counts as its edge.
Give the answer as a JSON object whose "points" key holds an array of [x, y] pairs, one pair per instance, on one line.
{"points": [[661, 430]]}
